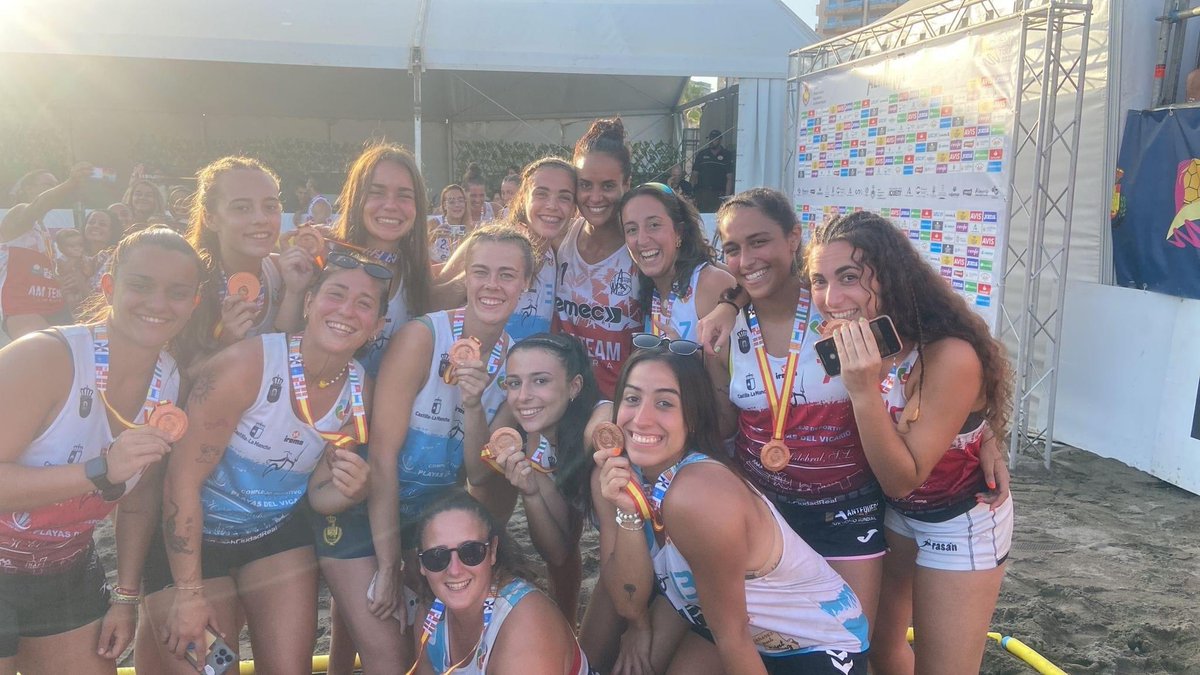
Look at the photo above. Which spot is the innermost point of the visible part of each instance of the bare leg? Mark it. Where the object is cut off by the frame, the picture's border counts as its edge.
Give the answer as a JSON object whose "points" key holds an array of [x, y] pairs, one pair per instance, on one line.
{"points": [[279, 596], [695, 655], [382, 646], [890, 652], [600, 633], [71, 652], [864, 577], [342, 649], [951, 613]]}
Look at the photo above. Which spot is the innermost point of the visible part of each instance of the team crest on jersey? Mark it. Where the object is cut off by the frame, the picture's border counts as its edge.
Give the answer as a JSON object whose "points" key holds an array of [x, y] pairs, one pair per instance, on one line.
{"points": [[256, 430], [275, 390], [751, 383], [743, 340], [621, 284], [76, 454], [21, 521], [436, 407], [443, 365], [85, 401]]}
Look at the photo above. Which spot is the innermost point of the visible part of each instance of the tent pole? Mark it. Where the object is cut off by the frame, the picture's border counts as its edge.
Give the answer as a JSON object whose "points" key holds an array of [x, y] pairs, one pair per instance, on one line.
{"points": [[415, 67]]}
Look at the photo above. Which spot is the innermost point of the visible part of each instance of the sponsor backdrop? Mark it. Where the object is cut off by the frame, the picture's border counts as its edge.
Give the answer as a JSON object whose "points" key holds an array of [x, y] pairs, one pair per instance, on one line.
{"points": [[923, 139], [1155, 209]]}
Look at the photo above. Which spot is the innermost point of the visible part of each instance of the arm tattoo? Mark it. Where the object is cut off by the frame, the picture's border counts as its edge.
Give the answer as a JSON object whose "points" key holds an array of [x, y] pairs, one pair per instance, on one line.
{"points": [[175, 542], [208, 454], [202, 387], [630, 589]]}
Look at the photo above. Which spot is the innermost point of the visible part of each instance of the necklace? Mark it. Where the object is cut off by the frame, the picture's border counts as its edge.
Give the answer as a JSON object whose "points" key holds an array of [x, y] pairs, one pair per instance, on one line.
{"points": [[325, 384]]}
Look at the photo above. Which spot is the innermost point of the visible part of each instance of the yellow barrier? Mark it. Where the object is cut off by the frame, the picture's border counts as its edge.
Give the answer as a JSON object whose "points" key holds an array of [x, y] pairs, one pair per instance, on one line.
{"points": [[1020, 650], [320, 664]]}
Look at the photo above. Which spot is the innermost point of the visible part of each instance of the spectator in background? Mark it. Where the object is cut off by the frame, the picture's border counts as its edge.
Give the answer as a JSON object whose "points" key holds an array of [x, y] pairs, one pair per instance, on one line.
{"points": [[680, 184], [304, 196], [712, 174], [508, 190], [124, 216], [320, 211], [479, 208], [72, 263], [451, 226], [145, 202], [101, 232], [31, 297]]}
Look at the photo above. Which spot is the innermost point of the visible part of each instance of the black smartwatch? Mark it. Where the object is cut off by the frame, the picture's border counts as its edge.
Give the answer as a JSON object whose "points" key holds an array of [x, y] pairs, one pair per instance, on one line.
{"points": [[96, 470]]}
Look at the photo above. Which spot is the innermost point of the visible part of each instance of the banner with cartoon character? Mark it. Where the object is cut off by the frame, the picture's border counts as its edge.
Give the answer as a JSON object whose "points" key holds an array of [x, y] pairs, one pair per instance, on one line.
{"points": [[1155, 210]]}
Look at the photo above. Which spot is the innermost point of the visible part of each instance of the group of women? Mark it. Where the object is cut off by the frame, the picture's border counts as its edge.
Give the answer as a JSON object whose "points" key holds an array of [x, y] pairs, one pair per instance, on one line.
{"points": [[351, 415]]}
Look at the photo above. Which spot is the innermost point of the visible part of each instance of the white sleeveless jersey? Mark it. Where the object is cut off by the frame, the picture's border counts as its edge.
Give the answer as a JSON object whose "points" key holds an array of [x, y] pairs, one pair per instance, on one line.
{"points": [[682, 312], [51, 538], [827, 463], [396, 316], [270, 456], [438, 649], [535, 309], [272, 284], [801, 606], [432, 454], [444, 239]]}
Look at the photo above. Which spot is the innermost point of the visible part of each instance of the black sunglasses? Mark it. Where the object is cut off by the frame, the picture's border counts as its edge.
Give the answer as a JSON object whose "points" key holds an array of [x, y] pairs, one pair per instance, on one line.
{"points": [[652, 341], [470, 553], [349, 262]]}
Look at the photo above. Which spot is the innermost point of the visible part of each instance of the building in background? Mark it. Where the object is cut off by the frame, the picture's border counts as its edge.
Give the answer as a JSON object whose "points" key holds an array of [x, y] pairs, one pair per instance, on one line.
{"points": [[835, 17]]}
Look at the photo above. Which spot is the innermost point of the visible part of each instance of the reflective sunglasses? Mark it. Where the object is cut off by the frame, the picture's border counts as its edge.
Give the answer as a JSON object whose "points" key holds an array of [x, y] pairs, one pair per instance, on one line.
{"points": [[652, 341], [661, 187], [470, 553]]}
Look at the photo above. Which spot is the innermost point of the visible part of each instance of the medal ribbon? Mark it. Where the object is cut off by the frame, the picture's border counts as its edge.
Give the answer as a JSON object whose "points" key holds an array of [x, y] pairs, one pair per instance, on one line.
{"points": [[100, 356], [657, 315], [456, 328], [659, 492], [543, 451], [300, 393], [780, 401], [436, 611]]}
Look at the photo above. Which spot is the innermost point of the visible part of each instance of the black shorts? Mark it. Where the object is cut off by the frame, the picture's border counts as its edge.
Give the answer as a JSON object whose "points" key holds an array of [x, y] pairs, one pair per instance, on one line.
{"points": [[33, 605], [344, 536], [851, 528], [831, 662], [220, 560]]}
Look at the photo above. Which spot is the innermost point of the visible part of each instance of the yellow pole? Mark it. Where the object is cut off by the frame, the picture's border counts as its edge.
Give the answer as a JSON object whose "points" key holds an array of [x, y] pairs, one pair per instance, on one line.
{"points": [[1020, 650], [320, 664]]}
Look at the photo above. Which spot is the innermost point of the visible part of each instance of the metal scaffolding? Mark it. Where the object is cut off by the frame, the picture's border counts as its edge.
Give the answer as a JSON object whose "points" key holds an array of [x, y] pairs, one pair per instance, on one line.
{"points": [[1049, 90]]}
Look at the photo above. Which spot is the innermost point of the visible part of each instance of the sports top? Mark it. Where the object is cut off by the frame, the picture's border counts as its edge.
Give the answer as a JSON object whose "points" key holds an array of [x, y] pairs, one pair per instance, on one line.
{"points": [[396, 316], [265, 469], [49, 539], [678, 311], [271, 294], [535, 309]]}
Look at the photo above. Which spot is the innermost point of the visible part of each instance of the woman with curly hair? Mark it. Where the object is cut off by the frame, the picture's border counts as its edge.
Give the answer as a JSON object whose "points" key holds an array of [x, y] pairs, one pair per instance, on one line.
{"points": [[946, 395]]}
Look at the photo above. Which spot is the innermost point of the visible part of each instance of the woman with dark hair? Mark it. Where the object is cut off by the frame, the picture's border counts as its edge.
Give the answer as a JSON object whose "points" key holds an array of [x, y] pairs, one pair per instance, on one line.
{"points": [[451, 226], [479, 209], [756, 598], [235, 222], [552, 399], [678, 282], [795, 436], [445, 367], [76, 441], [485, 609], [946, 394], [273, 420], [597, 283], [101, 232], [145, 201]]}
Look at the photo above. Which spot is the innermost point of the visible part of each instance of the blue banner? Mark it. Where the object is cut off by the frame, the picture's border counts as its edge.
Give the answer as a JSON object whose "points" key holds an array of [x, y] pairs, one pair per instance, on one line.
{"points": [[1155, 210]]}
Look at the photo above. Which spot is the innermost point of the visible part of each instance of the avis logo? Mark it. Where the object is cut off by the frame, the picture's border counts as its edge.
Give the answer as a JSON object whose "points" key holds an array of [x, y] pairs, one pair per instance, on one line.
{"points": [[1184, 230]]}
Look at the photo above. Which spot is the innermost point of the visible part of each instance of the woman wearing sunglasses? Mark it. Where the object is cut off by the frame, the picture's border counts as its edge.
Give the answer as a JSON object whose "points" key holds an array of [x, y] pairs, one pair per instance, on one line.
{"points": [[678, 281], [487, 617], [449, 228], [552, 399], [446, 367], [725, 564], [271, 421]]}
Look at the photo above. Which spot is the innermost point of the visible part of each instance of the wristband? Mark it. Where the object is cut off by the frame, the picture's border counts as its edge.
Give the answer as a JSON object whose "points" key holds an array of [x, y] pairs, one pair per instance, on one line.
{"points": [[731, 303], [122, 596], [197, 587]]}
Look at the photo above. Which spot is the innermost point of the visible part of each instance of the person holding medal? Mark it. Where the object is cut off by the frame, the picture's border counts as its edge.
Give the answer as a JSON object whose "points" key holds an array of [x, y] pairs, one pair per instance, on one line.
{"points": [[541, 447], [273, 419], [448, 228], [447, 366], [946, 398], [678, 281], [487, 617], [793, 426], [234, 221], [702, 566], [86, 425]]}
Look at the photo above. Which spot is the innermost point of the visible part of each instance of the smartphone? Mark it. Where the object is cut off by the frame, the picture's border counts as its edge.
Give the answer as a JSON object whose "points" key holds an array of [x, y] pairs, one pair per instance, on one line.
{"points": [[101, 173], [220, 660], [885, 337]]}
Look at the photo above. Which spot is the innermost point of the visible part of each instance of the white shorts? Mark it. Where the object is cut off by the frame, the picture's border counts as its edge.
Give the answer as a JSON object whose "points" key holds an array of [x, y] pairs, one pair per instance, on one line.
{"points": [[977, 540]]}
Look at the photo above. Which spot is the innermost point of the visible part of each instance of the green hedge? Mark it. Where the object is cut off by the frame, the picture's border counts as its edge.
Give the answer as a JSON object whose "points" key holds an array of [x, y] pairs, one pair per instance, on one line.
{"points": [[652, 160]]}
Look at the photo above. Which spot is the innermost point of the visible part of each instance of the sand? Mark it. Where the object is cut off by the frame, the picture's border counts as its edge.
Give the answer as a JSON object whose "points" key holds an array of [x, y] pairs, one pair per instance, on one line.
{"points": [[1104, 575]]}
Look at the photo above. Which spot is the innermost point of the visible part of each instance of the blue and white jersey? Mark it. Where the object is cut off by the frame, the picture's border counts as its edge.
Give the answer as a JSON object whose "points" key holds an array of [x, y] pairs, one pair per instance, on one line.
{"points": [[800, 606], [371, 355], [432, 454], [680, 311], [535, 309], [270, 456]]}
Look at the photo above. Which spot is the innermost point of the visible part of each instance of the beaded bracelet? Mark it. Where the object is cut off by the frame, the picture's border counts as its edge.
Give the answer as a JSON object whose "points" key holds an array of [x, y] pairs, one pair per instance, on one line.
{"points": [[629, 521], [122, 596]]}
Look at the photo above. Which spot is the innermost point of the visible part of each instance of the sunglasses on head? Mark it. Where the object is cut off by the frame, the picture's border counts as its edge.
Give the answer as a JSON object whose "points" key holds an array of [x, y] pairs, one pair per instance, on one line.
{"points": [[652, 341], [661, 187], [470, 553], [349, 262]]}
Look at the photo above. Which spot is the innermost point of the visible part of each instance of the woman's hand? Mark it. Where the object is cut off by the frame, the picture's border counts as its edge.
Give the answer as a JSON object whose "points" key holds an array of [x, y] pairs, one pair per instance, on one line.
{"points": [[133, 451], [386, 597], [237, 316], [859, 356], [116, 630], [615, 474], [712, 331], [634, 655], [187, 620], [472, 380], [995, 472], [519, 472], [297, 268], [351, 474]]}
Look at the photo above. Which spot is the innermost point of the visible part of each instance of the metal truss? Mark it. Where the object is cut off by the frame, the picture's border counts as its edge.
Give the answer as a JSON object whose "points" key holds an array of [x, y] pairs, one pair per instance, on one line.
{"points": [[1049, 102]]}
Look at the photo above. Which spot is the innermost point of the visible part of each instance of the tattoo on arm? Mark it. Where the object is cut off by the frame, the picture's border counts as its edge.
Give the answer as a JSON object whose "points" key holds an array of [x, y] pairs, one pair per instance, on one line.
{"points": [[630, 589], [208, 454], [202, 387], [175, 542]]}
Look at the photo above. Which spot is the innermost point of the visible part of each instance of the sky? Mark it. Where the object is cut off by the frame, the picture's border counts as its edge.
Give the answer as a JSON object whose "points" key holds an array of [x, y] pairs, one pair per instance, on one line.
{"points": [[805, 9]]}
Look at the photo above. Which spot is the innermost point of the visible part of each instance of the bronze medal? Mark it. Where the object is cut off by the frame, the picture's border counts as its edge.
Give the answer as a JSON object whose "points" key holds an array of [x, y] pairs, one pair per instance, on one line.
{"points": [[244, 284], [608, 437], [504, 440], [774, 455], [167, 417], [310, 240], [463, 350]]}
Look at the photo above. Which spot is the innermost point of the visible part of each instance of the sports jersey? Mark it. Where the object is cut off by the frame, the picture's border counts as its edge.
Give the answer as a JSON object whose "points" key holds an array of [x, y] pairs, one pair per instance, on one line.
{"points": [[28, 284], [51, 538], [800, 606], [827, 461], [598, 304], [444, 238], [271, 293], [432, 454], [395, 317], [678, 311], [265, 469], [951, 486], [535, 309], [496, 610]]}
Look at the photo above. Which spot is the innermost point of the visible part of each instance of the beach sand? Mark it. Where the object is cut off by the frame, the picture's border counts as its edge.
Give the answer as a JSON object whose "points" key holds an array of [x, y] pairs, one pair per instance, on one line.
{"points": [[1104, 575]]}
